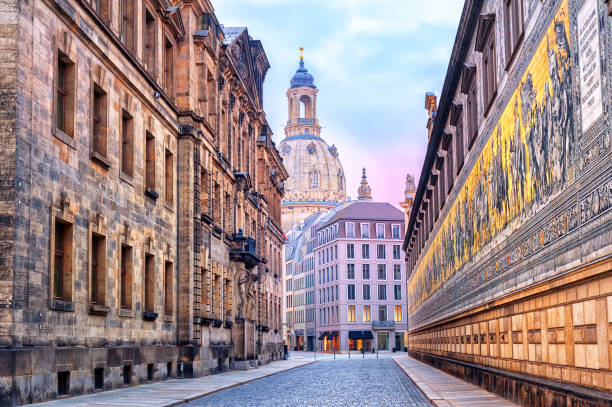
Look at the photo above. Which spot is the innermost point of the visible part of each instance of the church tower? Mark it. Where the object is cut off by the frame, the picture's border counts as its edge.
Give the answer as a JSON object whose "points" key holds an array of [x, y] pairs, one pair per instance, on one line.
{"points": [[408, 199], [316, 179], [364, 192]]}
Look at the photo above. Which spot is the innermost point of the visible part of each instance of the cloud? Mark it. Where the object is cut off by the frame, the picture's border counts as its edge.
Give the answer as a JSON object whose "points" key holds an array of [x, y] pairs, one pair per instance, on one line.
{"points": [[372, 61]]}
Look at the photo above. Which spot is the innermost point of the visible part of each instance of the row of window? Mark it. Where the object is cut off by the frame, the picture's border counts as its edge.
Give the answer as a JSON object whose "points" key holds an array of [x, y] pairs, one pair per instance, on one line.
{"points": [[63, 255], [330, 294], [452, 148], [64, 126], [330, 315], [331, 253], [382, 313], [327, 275]]}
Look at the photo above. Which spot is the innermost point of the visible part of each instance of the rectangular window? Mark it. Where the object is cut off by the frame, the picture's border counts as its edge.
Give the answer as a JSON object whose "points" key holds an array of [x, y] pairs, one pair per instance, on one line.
{"points": [[380, 251], [366, 313], [62, 261], [149, 36], [350, 251], [513, 26], [350, 271], [351, 313], [382, 312], [365, 268], [98, 269], [397, 252], [149, 283], [168, 288], [395, 231], [127, 144], [365, 251], [65, 95], [459, 145], [398, 313], [351, 291], [169, 67], [128, 23], [382, 271], [366, 292], [125, 286], [149, 162], [397, 292], [382, 292], [472, 119], [169, 177], [365, 230], [99, 142], [380, 230], [397, 272], [350, 229], [489, 70]]}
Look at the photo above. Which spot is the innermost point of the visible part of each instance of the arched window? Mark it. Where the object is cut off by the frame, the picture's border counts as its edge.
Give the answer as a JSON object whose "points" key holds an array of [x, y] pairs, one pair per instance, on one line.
{"points": [[340, 183], [305, 107], [314, 179]]}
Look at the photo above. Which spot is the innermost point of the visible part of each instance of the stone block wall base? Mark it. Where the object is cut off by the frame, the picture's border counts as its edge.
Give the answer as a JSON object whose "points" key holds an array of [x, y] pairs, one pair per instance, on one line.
{"points": [[519, 388]]}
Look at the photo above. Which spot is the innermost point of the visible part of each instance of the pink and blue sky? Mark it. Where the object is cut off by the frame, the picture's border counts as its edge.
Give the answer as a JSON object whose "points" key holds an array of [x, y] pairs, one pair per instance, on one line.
{"points": [[373, 61]]}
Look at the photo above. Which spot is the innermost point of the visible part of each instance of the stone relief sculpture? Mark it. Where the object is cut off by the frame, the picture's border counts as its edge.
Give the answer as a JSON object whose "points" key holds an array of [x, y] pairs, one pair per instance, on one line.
{"points": [[524, 163]]}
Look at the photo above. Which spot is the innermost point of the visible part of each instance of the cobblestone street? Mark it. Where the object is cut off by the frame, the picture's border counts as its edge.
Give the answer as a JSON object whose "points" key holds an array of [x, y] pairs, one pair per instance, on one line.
{"points": [[341, 382]]}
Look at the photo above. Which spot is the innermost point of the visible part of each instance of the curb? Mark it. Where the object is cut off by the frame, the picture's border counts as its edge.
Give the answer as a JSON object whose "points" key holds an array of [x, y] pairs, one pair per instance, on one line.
{"points": [[433, 401]]}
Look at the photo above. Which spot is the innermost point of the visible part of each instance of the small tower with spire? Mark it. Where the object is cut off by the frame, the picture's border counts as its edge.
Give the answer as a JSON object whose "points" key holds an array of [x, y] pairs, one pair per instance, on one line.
{"points": [[364, 192], [408, 199]]}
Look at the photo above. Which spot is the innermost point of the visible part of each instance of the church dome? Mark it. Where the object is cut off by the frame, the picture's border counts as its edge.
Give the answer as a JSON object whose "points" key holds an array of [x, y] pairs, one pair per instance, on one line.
{"points": [[315, 171], [302, 77]]}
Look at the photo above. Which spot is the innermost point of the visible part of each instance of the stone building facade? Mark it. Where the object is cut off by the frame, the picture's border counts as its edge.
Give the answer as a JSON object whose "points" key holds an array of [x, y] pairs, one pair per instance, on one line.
{"points": [[510, 238], [140, 198], [316, 179]]}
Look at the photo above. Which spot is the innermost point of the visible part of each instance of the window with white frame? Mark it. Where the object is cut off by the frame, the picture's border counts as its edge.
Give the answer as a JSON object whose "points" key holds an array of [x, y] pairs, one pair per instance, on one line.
{"points": [[365, 230], [382, 271], [380, 230], [350, 271], [351, 292], [397, 272], [380, 251], [365, 271], [397, 252], [365, 251], [350, 229], [395, 232], [350, 251]]}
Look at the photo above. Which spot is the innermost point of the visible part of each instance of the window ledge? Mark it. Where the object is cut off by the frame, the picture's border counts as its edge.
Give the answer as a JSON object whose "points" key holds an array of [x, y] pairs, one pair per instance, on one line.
{"points": [[169, 206], [204, 217], [151, 193], [100, 159], [127, 313], [62, 305], [126, 178], [149, 315], [168, 318], [98, 309], [217, 231], [63, 137]]}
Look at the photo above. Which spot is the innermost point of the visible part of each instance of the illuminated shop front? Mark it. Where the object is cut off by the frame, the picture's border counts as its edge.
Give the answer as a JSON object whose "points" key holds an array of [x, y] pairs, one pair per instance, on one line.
{"points": [[330, 341], [359, 340]]}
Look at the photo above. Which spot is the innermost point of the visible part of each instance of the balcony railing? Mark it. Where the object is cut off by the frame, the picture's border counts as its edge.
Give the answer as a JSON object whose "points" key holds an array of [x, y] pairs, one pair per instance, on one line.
{"points": [[383, 324], [244, 249], [303, 120]]}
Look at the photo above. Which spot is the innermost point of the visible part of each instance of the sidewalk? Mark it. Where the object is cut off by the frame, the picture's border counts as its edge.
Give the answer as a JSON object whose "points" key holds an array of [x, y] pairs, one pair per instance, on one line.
{"points": [[176, 391], [445, 390]]}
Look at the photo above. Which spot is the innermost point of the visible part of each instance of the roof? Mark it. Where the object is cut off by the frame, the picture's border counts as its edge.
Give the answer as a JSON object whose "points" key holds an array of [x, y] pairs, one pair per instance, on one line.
{"points": [[364, 210], [231, 33]]}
